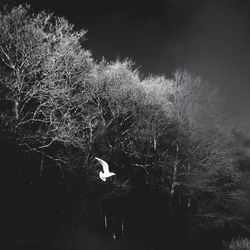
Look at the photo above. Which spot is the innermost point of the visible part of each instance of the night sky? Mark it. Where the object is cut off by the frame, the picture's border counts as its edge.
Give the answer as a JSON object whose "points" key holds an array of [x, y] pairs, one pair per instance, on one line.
{"points": [[210, 38]]}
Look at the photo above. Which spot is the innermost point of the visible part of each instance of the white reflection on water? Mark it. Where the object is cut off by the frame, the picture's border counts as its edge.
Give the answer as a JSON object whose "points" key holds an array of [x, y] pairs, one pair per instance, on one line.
{"points": [[105, 221], [122, 224]]}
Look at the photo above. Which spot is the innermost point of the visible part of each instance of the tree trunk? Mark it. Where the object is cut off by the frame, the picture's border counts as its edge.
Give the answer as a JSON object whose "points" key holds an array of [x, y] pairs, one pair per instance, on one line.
{"points": [[172, 190], [89, 146], [174, 179], [189, 198], [41, 167], [16, 108], [154, 144], [90, 132]]}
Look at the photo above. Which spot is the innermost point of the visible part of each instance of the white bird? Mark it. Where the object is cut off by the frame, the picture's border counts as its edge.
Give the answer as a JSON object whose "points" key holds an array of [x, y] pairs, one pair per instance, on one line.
{"points": [[105, 174]]}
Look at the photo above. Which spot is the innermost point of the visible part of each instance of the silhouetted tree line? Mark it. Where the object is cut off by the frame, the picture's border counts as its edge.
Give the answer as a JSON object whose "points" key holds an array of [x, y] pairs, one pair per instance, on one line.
{"points": [[60, 104]]}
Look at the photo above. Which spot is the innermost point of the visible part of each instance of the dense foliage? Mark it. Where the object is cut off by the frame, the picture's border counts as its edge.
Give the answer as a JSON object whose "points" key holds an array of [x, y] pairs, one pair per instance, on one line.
{"points": [[59, 103]]}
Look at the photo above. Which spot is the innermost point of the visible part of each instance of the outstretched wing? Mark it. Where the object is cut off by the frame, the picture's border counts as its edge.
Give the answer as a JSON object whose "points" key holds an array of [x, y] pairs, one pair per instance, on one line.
{"points": [[104, 165]]}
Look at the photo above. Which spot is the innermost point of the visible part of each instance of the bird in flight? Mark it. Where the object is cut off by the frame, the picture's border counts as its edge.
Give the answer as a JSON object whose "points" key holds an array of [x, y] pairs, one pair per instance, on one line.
{"points": [[105, 174]]}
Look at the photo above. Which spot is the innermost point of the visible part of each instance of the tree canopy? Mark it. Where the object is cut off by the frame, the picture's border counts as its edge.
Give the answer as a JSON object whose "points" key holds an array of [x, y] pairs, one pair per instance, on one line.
{"points": [[61, 104]]}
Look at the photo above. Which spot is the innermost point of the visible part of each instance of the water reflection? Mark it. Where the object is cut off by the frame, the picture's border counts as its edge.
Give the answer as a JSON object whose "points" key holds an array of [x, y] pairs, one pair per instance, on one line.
{"points": [[125, 223], [122, 227], [134, 223]]}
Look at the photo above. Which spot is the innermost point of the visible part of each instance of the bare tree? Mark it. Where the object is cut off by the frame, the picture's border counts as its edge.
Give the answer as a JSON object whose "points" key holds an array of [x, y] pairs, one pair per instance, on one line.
{"points": [[42, 68]]}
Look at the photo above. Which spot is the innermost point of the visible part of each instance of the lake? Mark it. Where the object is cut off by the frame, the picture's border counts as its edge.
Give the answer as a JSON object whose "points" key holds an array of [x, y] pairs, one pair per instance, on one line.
{"points": [[137, 220]]}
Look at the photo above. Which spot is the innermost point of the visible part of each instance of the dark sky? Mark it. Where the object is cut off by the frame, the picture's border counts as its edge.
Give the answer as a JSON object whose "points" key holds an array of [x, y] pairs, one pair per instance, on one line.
{"points": [[210, 38]]}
